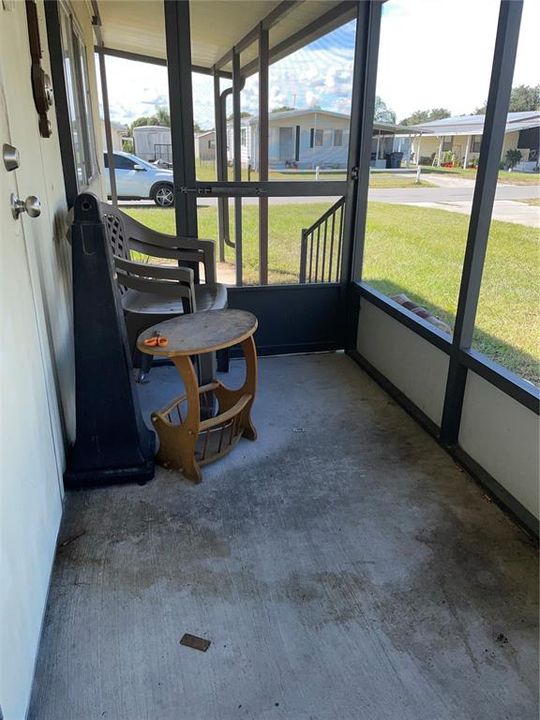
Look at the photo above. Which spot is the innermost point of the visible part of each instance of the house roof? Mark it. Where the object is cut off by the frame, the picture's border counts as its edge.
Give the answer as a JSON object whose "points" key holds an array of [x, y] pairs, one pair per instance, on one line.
{"points": [[474, 124], [205, 133], [286, 114], [302, 112], [157, 128], [138, 26]]}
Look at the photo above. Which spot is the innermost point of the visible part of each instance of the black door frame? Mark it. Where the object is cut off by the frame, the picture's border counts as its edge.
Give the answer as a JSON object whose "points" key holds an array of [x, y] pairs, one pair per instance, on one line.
{"points": [[292, 318]]}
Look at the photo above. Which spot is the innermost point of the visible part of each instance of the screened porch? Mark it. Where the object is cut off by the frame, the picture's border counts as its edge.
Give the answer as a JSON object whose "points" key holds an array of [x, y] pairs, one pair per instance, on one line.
{"points": [[372, 554]]}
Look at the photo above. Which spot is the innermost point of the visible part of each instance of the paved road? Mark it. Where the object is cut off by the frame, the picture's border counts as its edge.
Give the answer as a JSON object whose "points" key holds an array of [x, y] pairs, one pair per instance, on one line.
{"points": [[452, 194], [456, 196]]}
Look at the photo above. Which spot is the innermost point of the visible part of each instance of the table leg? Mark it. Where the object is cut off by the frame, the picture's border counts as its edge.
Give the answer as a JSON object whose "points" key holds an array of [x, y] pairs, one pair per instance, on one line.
{"points": [[227, 397], [250, 385], [177, 444]]}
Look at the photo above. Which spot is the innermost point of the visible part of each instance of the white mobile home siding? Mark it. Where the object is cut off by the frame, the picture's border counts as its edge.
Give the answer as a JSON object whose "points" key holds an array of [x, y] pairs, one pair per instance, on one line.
{"points": [[37, 387], [152, 142], [326, 155]]}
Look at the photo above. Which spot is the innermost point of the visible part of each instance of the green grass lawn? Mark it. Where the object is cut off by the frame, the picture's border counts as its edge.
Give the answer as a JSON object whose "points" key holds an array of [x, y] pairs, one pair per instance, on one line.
{"points": [[505, 177], [416, 251], [206, 172], [420, 252]]}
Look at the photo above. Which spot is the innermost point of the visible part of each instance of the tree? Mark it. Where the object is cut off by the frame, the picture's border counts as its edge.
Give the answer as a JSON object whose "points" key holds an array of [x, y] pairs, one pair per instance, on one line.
{"points": [[282, 108], [243, 114], [143, 120], [383, 112], [423, 116], [523, 98], [163, 116]]}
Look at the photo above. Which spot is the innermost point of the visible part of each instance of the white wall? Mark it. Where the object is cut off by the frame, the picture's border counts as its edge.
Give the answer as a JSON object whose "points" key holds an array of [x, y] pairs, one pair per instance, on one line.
{"points": [[429, 144], [502, 436], [310, 157], [411, 363], [496, 431], [36, 373]]}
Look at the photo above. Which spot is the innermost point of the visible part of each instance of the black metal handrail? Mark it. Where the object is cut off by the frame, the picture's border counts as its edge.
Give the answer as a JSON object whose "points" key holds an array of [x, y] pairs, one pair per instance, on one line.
{"points": [[321, 244]]}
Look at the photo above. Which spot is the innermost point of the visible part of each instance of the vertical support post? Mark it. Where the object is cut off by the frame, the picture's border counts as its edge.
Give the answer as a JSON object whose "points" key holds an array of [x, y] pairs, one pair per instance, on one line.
{"points": [[439, 152], [237, 86], [484, 194], [466, 156], [303, 256], [54, 41], [107, 121], [368, 23], [218, 124], [263, 152], [178, 43], [418, 150], [223, 203]]}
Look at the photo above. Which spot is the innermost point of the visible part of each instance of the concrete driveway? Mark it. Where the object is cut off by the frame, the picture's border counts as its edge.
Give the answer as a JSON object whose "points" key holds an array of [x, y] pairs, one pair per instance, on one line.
{"points": [[455, 195]]}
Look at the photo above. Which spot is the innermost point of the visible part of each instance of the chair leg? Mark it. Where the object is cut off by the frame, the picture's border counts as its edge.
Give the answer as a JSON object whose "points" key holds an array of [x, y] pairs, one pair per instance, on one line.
{"points": [[142, 364], [222, 357]]}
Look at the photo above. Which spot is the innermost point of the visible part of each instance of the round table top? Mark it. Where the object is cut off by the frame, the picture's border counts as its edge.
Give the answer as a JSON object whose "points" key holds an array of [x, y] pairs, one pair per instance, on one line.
{"points": [[200, 332]]}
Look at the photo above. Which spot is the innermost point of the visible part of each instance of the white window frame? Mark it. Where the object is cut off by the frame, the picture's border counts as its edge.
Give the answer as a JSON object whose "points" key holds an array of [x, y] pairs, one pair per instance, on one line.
{"points": [[476, 140], [78, 96], [447, 143], [318, 135], [338, 134]]}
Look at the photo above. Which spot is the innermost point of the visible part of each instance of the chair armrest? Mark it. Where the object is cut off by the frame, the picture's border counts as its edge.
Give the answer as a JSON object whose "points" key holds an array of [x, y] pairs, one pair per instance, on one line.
{"points": [[192, 249], [171, 253], [161, 272], [159, 279]]}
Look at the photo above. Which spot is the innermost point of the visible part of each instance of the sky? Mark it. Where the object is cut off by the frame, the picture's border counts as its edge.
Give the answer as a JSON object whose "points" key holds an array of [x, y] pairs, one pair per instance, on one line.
{"points": [[433, 53]]}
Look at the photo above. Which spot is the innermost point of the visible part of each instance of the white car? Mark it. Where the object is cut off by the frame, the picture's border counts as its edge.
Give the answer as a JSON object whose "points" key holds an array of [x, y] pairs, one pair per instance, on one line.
{"points": [[137, 179]]}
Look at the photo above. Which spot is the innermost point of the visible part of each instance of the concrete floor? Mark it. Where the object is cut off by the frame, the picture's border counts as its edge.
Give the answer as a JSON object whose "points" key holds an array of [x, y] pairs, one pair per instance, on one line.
{"points": [[343, 567]]}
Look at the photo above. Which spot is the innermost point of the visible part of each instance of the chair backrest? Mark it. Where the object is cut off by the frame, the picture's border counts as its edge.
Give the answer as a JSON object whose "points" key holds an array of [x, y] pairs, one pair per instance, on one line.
{"points": [[118, 240], [133, 235]]}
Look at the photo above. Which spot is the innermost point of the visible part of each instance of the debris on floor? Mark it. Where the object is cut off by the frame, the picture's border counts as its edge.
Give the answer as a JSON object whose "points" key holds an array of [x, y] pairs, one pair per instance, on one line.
{"points": [[197, 643], [71, 539]]}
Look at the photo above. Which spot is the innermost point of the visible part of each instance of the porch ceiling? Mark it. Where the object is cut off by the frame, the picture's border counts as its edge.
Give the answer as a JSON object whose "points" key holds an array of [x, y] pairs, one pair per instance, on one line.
{"points": [[138, 26]]}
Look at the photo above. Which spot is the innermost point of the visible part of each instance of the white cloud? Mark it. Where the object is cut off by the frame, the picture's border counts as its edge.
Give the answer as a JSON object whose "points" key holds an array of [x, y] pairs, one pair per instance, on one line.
{"points": [[438, 53], [433, 53]]}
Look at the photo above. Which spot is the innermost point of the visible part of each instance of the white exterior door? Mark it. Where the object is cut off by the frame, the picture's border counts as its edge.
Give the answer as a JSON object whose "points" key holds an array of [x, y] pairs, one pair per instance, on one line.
{"points": [[286, 144], [30, 446]]}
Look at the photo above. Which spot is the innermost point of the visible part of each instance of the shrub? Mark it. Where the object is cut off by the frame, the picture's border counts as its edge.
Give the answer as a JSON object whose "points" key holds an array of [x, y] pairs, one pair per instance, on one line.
{"points": [[512, 158]]}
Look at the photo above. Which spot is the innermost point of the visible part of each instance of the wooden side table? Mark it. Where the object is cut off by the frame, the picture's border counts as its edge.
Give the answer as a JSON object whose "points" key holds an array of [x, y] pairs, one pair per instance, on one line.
{"points": [[185, 441]]}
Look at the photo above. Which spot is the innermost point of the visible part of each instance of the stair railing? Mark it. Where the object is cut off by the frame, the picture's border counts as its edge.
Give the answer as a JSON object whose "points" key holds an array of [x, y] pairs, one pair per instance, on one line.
{"points": [[321, 245]]}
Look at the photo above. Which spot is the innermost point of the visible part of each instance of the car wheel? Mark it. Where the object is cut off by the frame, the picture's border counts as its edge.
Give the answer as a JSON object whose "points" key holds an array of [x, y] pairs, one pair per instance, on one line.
{"points": [[163, 195]]}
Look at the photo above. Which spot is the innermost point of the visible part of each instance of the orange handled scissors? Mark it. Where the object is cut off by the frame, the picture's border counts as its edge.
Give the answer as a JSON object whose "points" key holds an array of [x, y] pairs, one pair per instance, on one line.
{"points": [[157, 340]]}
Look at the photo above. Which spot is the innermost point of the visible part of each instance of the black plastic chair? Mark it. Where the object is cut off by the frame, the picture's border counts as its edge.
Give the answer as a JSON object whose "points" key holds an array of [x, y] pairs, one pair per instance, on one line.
{"points": [[151, 293]]}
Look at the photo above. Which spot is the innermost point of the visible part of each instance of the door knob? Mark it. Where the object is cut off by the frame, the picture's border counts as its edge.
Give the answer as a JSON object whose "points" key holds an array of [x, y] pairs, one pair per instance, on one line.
{"points": [[32, 206]]}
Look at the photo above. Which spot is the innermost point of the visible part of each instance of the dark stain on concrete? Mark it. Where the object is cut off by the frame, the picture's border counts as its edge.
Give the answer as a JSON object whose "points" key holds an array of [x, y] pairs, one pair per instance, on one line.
{"points": [[358, 528]]}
